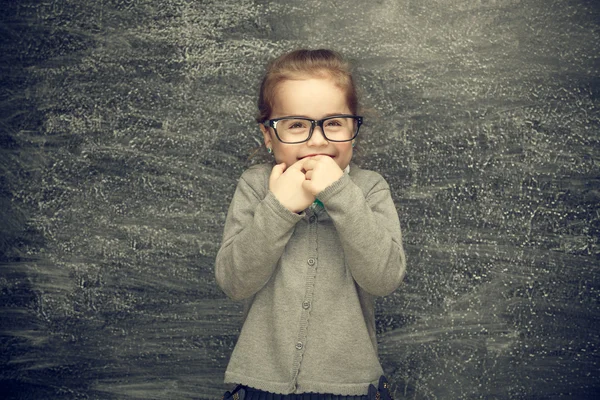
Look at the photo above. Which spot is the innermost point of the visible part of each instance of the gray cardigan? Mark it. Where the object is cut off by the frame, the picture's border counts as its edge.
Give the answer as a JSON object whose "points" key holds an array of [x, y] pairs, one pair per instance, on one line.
{"points": [[309, 282]]}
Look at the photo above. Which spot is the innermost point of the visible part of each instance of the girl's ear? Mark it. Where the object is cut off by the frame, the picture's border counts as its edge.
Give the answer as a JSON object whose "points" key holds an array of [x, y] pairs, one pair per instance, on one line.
{"points": [[266, 135]]}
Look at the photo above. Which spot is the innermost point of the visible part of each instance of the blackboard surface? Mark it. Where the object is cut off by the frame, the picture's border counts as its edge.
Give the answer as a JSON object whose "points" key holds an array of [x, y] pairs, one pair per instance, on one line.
{"points": [[125, 124]]}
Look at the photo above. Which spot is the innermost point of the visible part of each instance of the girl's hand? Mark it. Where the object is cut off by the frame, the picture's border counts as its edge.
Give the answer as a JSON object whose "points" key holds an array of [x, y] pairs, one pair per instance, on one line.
{"points": [[287, 186], [321, 171]]}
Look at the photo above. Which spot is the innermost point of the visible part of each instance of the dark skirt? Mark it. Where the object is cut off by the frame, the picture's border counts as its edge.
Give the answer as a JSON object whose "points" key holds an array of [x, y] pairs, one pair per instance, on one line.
{"points": [[253, 394]]}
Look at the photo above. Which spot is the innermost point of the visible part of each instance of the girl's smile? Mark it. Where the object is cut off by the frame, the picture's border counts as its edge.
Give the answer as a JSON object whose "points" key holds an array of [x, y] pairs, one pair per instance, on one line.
{"points": [[316, 154]]}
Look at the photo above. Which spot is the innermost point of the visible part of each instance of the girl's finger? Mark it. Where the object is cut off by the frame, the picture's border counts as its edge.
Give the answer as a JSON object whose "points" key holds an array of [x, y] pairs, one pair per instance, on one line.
{"points": [[309, 164], [308, 174], [308, 186], [299, 165], [276, 172]]}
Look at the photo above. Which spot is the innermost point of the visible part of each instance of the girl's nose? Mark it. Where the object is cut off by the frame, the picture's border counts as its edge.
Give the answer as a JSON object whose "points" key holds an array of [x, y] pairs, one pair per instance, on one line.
{"points": [[317, 138]]}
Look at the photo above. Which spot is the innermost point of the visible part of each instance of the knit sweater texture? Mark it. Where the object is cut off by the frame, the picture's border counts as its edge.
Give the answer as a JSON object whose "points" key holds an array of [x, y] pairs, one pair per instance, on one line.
{"points": [[309, 281]]}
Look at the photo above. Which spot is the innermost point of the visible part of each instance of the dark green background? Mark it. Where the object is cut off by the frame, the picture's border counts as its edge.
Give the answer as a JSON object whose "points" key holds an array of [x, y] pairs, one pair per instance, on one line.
{"points": [[125, 124]]}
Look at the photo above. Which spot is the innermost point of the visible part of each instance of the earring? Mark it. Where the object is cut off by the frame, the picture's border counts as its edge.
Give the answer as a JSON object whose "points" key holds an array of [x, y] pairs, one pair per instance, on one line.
{"points": [[353, 144], [269, 150]]}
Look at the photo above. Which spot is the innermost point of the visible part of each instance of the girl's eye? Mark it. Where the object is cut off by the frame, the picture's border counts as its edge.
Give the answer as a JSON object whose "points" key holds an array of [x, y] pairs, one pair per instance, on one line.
{"points": [[333, 122], [297, 124]]}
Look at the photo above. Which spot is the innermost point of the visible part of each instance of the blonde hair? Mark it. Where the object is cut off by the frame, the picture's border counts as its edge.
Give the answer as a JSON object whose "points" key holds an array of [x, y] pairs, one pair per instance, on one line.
{"points": [[298, 64]]}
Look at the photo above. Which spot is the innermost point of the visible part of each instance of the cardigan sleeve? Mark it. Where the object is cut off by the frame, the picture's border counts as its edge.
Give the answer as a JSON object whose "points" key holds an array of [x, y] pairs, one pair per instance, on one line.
{"points": [[257, 228], [369, 230]]}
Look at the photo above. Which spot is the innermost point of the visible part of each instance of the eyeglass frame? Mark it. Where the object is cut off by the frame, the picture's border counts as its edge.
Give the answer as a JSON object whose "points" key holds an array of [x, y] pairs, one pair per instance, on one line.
{"points": [[272, 123]]}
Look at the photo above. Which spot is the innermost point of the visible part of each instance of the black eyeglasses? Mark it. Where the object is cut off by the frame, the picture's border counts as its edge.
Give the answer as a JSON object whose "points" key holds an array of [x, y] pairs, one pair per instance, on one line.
{"points": [[337, 128]]}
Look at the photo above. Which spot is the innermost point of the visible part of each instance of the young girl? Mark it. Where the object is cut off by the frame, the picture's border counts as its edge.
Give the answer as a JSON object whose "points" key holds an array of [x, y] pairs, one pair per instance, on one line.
{"points": [[309, 242]]}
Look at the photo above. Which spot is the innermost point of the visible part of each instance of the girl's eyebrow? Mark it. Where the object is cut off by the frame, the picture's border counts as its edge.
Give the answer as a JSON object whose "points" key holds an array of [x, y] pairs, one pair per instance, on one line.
{"points": [[306, 116], [336, 114]]}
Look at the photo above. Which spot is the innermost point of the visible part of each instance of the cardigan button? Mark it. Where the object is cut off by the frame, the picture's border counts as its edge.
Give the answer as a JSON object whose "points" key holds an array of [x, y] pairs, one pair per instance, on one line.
{"points": [[311, 261], [306, 305], [299, 346], [312, 219]]}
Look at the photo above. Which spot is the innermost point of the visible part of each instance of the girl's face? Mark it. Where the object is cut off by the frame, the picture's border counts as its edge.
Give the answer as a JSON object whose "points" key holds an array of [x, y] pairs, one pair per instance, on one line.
{"points": [[314, 98]]}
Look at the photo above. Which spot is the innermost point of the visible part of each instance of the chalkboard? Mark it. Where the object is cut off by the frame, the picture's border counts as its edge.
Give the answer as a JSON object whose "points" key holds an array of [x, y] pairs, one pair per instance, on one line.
{"points": [[125, 124]]}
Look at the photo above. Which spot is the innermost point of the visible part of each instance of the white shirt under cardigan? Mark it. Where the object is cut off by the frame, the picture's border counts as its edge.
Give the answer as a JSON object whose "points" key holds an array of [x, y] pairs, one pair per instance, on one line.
{"points": [[309, 282]]}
